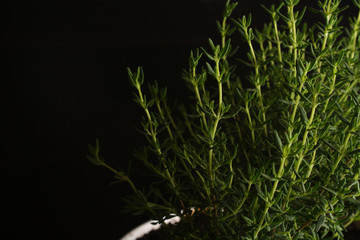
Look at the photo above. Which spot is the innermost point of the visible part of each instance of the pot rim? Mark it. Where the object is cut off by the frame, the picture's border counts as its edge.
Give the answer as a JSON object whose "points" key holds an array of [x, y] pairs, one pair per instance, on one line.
{"points": [[147, 227]]}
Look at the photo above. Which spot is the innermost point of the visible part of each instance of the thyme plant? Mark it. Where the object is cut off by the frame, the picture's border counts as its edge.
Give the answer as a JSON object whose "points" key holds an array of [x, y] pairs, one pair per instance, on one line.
{"points": [[270, 151]]}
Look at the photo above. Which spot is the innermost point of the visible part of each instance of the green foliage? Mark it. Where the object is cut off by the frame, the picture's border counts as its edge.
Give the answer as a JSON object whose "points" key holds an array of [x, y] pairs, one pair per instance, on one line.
{"points": [[277, 159]]}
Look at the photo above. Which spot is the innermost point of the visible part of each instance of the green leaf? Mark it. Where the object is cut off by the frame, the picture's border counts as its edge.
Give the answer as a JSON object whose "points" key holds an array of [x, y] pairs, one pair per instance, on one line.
{"points": [[303, 115], [269, 177], [225, 108], [270, 11], [211, 43], [130, 74], [329, 190], [278, 140], [247, 220], [231, 115], [231, 31], [354, 97], [210, 69], [194, 58], [229, 8], [225, 50], [93, 160], [353, 201], [250, 35], [301, 15], [257, 174], [343, 119], [286, 102], [140, 75], [286, 19], [333, 147], [208, 55], [150, 103], [320, 222]]}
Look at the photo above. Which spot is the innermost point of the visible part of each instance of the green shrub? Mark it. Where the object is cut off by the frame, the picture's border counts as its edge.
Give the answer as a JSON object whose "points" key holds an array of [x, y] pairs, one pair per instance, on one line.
{"points": [[272, 152]]}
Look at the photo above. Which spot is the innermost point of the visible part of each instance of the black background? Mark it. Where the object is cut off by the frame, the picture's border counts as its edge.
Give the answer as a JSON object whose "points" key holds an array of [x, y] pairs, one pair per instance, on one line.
{"points": [[64, 84]]}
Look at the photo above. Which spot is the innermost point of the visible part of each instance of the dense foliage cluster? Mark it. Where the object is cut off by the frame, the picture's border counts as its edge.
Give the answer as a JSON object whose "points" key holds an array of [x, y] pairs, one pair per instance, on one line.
{"points": [[272, 152]]}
